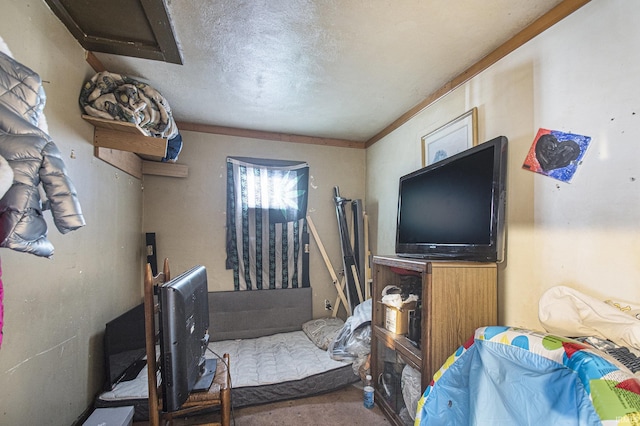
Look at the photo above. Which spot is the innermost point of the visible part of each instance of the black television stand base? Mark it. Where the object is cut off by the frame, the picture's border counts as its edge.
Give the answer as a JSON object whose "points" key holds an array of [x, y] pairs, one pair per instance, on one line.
{"points": [[206, 378]]}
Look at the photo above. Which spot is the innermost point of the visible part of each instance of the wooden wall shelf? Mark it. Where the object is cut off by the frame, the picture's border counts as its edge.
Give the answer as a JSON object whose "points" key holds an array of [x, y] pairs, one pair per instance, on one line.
{"points": [[125, 146]]}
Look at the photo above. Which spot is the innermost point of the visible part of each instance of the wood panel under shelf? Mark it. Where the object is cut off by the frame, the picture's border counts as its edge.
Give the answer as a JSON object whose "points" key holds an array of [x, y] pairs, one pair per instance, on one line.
{"points": [[126, 161], [165, 169], [125, 146]]}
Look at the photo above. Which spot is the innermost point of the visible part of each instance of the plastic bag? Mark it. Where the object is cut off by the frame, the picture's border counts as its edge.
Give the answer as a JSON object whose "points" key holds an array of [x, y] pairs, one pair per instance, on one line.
{"points": [[353, 341], [410, 383]]}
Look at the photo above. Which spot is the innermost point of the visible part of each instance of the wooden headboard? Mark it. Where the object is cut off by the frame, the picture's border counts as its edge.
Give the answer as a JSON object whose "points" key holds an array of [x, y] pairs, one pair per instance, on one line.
{"points": [[253, 313]]}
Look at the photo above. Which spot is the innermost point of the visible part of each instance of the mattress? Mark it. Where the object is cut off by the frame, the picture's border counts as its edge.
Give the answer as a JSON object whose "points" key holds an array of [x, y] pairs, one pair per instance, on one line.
{"points": [[264, 369], [280, 366]]}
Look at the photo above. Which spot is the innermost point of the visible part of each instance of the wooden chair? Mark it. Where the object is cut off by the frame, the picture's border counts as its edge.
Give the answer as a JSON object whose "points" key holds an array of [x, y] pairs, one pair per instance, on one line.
{"points": [[219, 394]]}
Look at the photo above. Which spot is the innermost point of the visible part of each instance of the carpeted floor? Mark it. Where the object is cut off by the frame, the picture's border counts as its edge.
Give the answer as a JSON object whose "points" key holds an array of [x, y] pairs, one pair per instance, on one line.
{"points": [[341, 407]]}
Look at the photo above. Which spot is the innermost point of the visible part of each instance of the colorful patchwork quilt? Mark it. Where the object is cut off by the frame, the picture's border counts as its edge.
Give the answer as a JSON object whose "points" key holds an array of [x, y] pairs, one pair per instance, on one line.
{"points": [[512, 376]]}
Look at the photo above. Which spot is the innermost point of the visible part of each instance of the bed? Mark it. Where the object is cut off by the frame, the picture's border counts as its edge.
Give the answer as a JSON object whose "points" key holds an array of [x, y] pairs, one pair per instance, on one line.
{"points": [[508, 375], [277, 351]]}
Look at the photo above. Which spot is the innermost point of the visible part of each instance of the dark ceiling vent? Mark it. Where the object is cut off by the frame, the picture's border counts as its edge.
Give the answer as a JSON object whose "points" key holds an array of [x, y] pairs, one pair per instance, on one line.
{"points": [[138, 28]]}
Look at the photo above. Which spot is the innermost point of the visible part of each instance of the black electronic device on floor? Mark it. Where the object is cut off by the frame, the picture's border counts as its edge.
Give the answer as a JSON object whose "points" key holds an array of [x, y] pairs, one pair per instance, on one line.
{"points": [[124, 347]]}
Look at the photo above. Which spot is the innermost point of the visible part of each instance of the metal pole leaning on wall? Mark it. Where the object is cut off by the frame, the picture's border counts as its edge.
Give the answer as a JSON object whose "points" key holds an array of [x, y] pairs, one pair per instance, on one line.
{"points": [[359, 249], [348, 259]]}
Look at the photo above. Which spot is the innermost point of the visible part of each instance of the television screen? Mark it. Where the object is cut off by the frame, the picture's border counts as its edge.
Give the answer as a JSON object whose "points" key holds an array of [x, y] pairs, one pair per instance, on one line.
{"points": [[184, 325], [124, 347], [454, 209]]}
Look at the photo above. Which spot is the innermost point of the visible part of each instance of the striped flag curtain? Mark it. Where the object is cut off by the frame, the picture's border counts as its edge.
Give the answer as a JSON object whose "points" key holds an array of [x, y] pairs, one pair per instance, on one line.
{"points": [[266, 222]]}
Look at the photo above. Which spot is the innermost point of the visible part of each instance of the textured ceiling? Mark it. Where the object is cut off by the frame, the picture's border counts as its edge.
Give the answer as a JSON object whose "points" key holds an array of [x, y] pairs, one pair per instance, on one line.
{"points": [[326, 68]]}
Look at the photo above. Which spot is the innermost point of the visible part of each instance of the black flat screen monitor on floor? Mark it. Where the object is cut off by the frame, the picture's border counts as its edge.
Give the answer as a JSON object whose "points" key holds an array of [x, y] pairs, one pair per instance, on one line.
{"points": [[184, 325], [124, 347]]}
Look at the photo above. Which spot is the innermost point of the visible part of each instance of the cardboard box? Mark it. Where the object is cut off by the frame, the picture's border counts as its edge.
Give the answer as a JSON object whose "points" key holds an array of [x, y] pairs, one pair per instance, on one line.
{"points": [[397, 320]]}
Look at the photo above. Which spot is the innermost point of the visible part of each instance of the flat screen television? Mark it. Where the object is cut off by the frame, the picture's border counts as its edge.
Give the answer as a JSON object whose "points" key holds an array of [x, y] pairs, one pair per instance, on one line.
{"points": [[454, 209], [183, 332], [124, 347]]}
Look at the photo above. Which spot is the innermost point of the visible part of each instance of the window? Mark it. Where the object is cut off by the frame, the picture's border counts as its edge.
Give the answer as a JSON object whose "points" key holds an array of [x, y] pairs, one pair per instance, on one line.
{"points": [[266, 222]]}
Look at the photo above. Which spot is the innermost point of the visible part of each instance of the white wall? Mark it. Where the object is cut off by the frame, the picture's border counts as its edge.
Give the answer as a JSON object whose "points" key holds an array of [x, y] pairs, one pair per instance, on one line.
{"points": [[55, 309], [580, 76], [188, 215]]}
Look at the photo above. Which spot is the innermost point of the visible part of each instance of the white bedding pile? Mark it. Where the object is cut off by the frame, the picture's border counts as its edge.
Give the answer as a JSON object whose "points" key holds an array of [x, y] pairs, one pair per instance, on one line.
{"points": [[565, 311], [132, 389]]}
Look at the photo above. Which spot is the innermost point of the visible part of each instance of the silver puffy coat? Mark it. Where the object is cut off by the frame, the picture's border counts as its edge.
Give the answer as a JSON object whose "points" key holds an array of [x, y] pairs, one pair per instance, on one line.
{"points": [[35, 160]]}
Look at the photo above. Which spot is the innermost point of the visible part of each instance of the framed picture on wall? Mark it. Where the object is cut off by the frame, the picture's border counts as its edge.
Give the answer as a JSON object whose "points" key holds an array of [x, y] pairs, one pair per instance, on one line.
{"points": [[457, 135]]}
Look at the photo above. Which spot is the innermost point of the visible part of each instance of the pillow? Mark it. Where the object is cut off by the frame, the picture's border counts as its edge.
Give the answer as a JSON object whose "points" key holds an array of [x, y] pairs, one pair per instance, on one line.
{"points": [[322, 331]]}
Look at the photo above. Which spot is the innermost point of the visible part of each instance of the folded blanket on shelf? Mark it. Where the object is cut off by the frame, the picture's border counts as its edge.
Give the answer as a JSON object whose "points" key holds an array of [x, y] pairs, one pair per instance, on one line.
{"points": [[114, 96]]}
